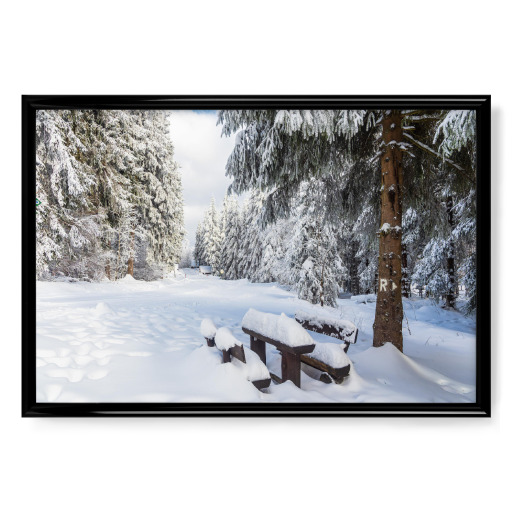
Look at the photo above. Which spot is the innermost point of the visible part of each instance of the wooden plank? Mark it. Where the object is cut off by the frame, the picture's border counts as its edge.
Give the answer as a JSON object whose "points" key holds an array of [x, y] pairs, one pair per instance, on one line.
{"points": [[261, 384], [290, 367], [238, 352], [302, 349], [276, 378], [335, 373], [210, 342]]}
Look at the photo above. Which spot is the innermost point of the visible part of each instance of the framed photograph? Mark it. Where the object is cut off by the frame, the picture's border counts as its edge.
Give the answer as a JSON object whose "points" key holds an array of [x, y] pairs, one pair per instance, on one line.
{"points": [[194, 255]]}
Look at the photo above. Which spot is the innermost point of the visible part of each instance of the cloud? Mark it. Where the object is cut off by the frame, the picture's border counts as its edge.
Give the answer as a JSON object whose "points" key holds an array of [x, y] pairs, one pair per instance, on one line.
{"points": [[201, 153]]}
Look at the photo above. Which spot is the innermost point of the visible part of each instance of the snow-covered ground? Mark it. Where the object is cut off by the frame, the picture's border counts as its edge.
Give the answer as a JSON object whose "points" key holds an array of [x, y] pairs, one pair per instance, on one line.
{"points": [[134, 341]]}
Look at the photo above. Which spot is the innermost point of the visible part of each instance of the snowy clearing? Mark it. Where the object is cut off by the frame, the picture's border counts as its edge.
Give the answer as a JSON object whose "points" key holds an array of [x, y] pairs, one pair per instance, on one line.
{"points": [[136, 341]]}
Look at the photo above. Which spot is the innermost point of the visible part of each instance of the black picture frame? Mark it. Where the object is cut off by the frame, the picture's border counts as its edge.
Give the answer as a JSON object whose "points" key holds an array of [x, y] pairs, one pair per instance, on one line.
{"points": [[480, 103]]}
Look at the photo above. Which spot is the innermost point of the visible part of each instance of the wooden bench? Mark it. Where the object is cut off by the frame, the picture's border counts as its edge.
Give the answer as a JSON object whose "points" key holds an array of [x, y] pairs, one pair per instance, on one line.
{"points": [[340, 329], [281, 327], [234, 349]]}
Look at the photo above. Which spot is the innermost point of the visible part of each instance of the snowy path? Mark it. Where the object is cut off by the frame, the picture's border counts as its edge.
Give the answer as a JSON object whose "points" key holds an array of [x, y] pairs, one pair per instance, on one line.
{"points": [[132, 341]]}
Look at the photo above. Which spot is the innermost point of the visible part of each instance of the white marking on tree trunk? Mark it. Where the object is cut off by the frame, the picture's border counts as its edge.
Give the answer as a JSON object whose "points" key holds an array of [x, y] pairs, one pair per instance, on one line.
{"points": [[383, 285], [393, 286]]}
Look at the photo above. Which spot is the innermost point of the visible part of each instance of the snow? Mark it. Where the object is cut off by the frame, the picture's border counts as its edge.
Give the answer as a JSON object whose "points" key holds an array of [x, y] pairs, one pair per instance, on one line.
{"points": [[385, 228], [371, 297], [224, 339], [331, 354], [277, 327], [135, 341], [208, 329], [253, 368], [322, 317]]}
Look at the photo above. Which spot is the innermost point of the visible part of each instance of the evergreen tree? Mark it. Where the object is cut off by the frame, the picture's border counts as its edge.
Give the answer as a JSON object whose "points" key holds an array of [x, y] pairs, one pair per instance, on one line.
{"points": [[229, 260], [211, 238]]}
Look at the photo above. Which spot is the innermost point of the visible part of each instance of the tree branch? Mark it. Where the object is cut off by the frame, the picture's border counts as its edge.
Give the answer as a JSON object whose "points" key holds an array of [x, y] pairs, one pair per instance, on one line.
{"points": [[433, 152]]}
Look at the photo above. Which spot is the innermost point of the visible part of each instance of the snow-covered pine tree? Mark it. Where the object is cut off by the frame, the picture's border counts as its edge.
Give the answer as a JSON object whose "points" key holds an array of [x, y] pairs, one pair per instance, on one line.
{"points": [[186, 254], [199, 255], [447, 205], [212, 237], [315, 266], [68, 222], [158, 196], [231, 238], [91, 187]]}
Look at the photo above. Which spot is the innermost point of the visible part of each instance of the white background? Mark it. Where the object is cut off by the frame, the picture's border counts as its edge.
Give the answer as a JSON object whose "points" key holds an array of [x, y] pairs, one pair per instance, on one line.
{"points": [[400, 47]]}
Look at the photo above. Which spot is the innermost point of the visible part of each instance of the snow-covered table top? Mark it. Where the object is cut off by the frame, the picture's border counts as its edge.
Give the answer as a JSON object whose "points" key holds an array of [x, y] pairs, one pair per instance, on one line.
{"points": [[279, 330]]}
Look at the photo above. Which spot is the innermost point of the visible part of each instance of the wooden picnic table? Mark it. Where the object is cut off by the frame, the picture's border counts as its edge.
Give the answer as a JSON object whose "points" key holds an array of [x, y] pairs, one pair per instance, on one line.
{"points": [[290, 356]]}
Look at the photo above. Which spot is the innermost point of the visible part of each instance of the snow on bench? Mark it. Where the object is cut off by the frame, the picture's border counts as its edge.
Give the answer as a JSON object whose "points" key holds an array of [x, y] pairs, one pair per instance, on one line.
{"points": [[325, 323], [331, 360], [208, 331], [279, 328], [252, 367]]}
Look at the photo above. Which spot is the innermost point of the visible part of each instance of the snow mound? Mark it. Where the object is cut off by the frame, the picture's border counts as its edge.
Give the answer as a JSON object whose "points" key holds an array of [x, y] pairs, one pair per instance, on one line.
{"points": [[254, 368], [128, 279], [363, 299], [103, 309], [403, 376], [208, 329], [320, 318], [331, 354], [225, 340], [277, 327]]}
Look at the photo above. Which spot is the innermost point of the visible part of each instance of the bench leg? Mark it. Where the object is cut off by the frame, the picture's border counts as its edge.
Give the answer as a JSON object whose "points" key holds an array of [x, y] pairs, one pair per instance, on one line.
{"points": [[258, 346], [290, 368], [210, 342], [226, 356]]}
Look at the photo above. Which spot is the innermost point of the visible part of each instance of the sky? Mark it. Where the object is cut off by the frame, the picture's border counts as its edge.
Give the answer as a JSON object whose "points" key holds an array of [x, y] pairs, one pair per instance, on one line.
{"points": [[201, 154]]}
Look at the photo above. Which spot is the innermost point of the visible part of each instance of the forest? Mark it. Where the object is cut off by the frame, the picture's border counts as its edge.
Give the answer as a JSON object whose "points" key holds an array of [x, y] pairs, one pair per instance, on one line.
{"points": [[109, 194], [366, 216]]}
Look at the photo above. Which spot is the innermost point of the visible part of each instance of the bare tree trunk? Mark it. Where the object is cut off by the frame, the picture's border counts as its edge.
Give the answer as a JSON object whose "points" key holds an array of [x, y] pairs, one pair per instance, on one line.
{"points": [[450, 260], [389, 309], [130, 259], [322, 288]]}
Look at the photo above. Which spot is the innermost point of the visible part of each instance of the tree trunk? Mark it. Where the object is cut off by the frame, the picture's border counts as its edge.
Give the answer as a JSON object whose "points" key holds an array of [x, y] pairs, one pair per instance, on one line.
{"points": [[354, 263], [450, 260], [118, 253], [389, 310], [406, 284], [130, 259]]}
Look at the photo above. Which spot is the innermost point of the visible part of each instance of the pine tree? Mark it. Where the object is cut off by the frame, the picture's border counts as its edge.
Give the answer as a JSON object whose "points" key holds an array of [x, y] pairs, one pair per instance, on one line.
{"points": [[316, 268], [231, 238], [211, 238]]}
